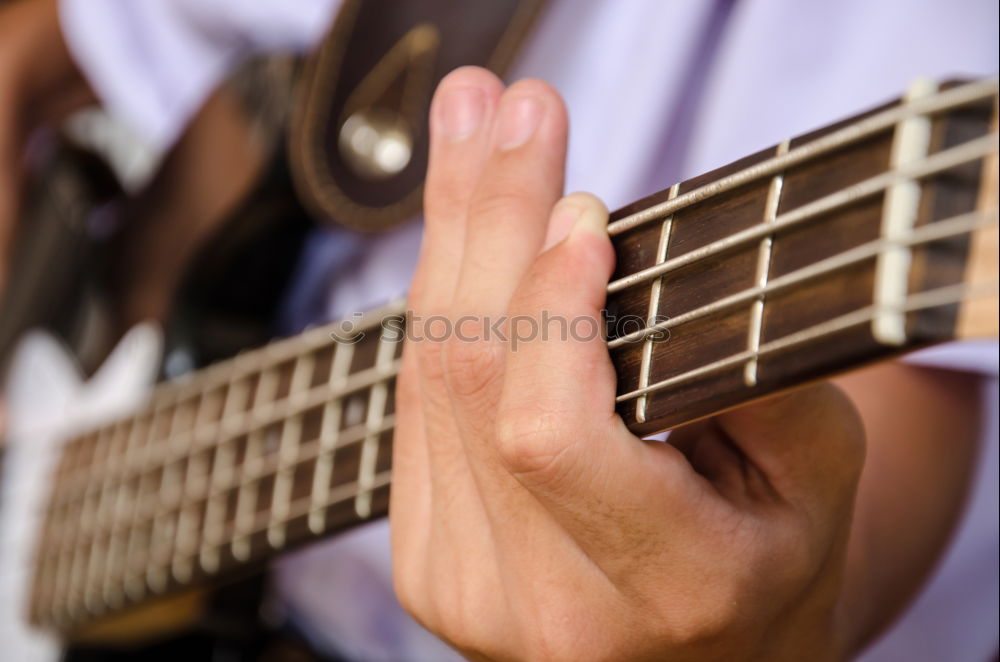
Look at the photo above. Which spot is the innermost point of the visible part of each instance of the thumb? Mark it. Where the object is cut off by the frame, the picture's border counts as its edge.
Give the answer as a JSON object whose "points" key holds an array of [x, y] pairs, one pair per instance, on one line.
{"points": [[557, 430]]}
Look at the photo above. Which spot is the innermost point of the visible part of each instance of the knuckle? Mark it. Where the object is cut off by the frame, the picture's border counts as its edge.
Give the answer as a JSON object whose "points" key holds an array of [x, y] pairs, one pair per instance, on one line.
{"points": [[503, 200], [471, 367], [430, 362], [531, 444]]}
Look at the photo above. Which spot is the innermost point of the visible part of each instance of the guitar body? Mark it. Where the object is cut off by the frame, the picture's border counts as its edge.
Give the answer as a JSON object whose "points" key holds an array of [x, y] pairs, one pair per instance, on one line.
{"points": [[47, 401]]}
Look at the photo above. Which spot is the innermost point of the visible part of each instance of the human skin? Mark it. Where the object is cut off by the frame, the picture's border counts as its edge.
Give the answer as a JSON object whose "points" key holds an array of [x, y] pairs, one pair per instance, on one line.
{"points": [[529, 524], [39, 85], [206, 173]]}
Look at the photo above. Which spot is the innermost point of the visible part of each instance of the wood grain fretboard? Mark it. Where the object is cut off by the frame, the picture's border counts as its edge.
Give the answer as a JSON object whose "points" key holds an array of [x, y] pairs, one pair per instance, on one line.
{"points": [[837, 248]]}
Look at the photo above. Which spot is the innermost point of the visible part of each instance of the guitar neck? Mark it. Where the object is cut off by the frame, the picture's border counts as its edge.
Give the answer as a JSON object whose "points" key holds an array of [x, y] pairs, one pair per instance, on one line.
{"points": [[851, 244]]}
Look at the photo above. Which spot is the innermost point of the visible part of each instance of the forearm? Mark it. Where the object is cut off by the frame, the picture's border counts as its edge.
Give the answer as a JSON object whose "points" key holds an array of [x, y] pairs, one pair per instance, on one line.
{"points": [[923, 432], [40, 80], [39, 83]]}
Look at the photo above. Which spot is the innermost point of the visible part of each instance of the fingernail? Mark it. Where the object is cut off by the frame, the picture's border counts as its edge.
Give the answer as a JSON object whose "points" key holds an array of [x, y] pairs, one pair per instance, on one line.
{"points": [[564, 217], [462, 111], [593, 219], [518, 122]]}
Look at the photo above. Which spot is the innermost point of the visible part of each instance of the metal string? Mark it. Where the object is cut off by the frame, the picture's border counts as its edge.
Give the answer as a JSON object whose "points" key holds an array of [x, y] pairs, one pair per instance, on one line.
{"points": [[947, 100]]}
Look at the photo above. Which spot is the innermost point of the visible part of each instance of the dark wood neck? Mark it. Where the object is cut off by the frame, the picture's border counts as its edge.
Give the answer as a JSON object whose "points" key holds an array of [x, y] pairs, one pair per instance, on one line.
{"points": [[837, 248]]}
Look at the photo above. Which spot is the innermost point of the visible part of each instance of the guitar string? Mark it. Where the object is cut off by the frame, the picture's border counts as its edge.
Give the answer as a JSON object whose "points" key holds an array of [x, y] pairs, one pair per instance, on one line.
{"points": [[942, 101], [246, 422], [283, 350], [343, 493], [311, 452], [238, 424], [255, 361], [919, 301], [147, 510], [241, 423], [321, 338], [937, 231], [949, 99], [945, 160]]}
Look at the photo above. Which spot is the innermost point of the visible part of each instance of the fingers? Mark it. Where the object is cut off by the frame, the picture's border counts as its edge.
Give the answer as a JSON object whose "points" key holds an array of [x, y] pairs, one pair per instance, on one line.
{"points": [[461, 122], [508, 212], [462, 116], [508, 216]]}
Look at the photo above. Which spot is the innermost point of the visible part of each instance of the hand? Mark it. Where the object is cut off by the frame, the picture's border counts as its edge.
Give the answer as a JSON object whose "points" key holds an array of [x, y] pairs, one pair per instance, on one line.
{"points": [[527, 522]]}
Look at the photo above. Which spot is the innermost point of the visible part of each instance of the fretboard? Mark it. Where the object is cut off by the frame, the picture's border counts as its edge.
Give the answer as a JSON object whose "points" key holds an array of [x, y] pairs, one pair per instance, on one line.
{"points": [[838, 248]]}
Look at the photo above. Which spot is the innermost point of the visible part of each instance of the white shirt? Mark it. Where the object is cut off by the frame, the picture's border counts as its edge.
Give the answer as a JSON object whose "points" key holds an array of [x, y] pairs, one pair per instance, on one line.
{"points": [[657, 91]]}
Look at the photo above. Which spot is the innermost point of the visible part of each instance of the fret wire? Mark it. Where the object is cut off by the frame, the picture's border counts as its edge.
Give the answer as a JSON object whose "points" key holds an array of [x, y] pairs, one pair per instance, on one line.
{"points": [[304, 506], [237, 424], [91, 487], [932, 298], [60, 582], [302, 375], [121, 433], [246, 496], [282, 489], [939, 230], [288, 450], [950, 227], [645, 365], [106, 511], [137, 548], [243, 365], [83, 556], [74, 474], [310, 452], [174, 488], [64, 564], [163, 527], [313, 398], [118, 545], [93, 510], [320, 336], [763, 270], [900, 208], [929, 299], [931, 165], [222, 468], [377, 397], [186, 543], [338, 494], [329, 438], [859, 130], [936, 231]]}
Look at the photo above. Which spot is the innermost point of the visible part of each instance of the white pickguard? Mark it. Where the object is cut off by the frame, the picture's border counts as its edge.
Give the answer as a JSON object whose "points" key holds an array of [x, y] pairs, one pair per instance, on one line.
{"points": [[47, 403]]}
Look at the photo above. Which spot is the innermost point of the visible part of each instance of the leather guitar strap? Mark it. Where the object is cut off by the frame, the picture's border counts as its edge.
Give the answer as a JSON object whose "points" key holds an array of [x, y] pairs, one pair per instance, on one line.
{"points": [[358, 138]]}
